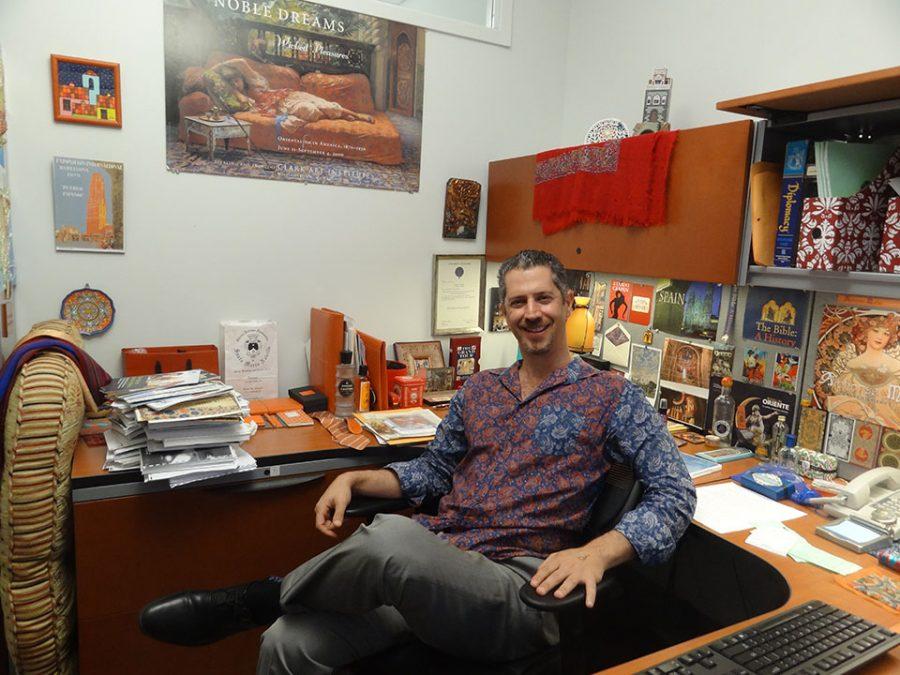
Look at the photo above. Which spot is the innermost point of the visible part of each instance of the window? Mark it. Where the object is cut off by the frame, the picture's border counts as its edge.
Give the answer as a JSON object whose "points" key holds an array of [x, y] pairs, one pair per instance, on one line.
{"points": [[485, 20]]}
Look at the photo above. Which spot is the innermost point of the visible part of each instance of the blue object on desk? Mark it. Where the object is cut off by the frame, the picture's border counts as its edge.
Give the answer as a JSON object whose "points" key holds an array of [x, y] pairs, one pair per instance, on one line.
{"points": [[766, 480]]}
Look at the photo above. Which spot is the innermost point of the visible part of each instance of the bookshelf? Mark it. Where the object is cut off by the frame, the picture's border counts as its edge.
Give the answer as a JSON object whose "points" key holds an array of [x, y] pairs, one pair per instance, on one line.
{"points": [[840, 109]]}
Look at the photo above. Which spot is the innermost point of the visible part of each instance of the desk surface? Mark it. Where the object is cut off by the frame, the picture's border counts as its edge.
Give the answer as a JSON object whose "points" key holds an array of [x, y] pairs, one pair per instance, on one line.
{"points": [[806, 581]]}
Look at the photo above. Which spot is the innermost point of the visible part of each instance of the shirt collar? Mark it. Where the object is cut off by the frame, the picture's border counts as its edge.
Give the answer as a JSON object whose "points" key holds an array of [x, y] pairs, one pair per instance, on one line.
{"points": [[574, 370]]}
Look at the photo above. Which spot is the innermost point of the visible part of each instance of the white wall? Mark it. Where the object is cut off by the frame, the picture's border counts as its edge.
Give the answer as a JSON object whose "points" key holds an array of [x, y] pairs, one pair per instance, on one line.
{"points": [[714, 50], [200, 249]]}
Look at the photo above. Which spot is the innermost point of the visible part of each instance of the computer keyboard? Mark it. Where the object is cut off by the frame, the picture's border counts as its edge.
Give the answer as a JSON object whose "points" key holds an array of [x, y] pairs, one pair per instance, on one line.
{"points": [[815, 638]]}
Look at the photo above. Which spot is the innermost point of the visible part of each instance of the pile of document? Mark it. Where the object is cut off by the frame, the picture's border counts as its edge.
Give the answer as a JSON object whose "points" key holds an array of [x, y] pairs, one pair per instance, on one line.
{"points": [[396, 427], [181, 427]]}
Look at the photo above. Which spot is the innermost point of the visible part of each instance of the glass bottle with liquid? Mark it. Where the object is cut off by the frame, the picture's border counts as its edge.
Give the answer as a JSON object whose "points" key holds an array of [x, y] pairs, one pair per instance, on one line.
{"points": [[723, 413], [345, 386], [777, 442], [788, 454], [364, 391]]}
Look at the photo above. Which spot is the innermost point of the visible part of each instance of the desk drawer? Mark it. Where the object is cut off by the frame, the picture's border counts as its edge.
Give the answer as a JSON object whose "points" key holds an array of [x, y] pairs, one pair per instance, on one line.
{"points": [[130, 550]]}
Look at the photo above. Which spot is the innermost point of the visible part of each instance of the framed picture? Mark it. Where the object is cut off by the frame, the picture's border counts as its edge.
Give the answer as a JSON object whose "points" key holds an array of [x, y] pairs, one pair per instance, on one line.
{"points": [[439, 379], [457, 305], [86, 91], [416, 355]]}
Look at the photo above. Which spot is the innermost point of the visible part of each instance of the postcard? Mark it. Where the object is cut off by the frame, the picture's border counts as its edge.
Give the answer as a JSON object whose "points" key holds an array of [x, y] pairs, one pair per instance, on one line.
{"points": [[88, 212], [645, 365], [617, 345]]}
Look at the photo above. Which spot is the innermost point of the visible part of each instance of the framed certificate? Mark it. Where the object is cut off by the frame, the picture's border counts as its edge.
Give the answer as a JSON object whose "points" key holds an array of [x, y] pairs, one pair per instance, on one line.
{"points": [[457, 305]]}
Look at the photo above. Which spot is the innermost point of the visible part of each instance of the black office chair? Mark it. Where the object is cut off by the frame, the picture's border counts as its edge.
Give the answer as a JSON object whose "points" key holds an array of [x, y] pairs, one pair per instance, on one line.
{"points": [[620, 494]]}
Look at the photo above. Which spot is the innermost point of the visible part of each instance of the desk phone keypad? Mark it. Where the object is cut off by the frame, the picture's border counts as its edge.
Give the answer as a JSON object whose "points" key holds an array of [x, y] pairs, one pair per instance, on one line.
{"points": [[813, 639]]}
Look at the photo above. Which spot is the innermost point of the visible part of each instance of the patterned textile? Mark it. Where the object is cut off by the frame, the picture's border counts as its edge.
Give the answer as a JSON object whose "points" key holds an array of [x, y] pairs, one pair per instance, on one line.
{"points": [[520, 476], [338, 430], [889, 254], [620, 182], [845, 233], [92, 374]]}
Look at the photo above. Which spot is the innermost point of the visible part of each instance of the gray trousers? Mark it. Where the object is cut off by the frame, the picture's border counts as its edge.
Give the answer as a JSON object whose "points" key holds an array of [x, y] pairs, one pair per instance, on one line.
{"points": [[392, 581]]}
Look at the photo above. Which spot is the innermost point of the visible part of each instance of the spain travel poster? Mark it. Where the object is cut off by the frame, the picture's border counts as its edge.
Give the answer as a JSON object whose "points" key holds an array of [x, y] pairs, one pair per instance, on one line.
{"points": [[88, 205], [292, 90]]}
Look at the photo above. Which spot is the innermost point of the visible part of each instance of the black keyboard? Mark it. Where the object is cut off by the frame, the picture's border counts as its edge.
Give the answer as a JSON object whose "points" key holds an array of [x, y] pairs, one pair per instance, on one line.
{"points": [[811, 639]]}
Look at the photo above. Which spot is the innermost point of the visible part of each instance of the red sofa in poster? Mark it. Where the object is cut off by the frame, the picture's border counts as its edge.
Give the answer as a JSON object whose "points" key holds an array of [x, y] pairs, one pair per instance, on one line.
{"points": [[377, 142]]}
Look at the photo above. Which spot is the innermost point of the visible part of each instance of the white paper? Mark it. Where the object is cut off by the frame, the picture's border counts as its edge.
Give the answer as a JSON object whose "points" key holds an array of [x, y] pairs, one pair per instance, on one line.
{"points": [[251, 357], [774, 537], [617, 345], [728, 507]]}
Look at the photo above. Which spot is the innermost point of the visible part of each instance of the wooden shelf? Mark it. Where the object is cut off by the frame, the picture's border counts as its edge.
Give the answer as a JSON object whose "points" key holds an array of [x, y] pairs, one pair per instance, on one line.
{"points": [[877, 284], [877, 85]]}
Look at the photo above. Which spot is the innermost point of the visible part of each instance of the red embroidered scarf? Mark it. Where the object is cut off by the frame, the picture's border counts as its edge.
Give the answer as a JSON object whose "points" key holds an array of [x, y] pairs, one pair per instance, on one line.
{"points": [[621, 182]]}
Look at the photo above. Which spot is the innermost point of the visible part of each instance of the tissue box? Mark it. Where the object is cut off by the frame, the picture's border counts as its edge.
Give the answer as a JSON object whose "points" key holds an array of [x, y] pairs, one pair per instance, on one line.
{"points": [[845, 233], [841, 233], [889, 256]]}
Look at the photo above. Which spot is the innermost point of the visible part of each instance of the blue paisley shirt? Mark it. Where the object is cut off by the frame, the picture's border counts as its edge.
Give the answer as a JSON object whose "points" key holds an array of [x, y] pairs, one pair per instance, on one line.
{"points": [[519, 477]]}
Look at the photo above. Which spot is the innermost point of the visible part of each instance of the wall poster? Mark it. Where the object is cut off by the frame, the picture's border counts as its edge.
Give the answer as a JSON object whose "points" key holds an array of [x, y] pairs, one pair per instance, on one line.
{"points": [[775, 316], [88, 210], [293, 90], [6, 267], [857, 371]]}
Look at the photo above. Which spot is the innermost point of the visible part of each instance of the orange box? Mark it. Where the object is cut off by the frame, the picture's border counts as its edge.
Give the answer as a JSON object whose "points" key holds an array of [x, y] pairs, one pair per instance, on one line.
{"points": [[150, 360]]}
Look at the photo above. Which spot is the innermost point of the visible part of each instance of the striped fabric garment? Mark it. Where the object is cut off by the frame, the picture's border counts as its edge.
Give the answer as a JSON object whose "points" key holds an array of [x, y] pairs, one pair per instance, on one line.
{"points": [[338, 430]]}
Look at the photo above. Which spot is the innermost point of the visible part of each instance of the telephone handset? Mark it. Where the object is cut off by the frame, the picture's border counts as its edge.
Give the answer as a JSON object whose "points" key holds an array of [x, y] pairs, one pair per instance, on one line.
{"points": [[872, 499]]}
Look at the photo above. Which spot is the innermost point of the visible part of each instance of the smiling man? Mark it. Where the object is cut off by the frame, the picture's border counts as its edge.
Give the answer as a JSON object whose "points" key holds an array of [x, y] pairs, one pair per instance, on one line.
{"points": [[517, 464]]}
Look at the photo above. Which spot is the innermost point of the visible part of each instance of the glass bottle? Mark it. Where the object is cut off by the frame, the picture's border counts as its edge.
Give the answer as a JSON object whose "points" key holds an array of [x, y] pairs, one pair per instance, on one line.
{"points": [[723, 413], [788, 454], [777, 442], [663, 409], [345, 386], [364, 391]]}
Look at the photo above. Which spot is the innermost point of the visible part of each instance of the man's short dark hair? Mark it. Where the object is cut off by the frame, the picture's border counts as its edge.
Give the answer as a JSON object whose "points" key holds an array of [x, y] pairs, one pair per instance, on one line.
{"points": [[525, 260]]}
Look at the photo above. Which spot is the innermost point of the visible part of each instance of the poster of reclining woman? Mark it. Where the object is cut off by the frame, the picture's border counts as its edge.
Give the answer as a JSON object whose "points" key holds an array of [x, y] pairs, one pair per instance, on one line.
{"points": [[292, 90]]}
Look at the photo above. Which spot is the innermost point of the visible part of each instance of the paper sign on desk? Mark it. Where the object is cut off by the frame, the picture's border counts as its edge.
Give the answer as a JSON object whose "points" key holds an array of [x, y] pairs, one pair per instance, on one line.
{"points": [[727, 507]]}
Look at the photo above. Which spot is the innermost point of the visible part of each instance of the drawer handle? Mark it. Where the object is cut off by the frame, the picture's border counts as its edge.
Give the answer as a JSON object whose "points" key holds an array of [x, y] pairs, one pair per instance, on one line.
{"points": [[274, 484]]}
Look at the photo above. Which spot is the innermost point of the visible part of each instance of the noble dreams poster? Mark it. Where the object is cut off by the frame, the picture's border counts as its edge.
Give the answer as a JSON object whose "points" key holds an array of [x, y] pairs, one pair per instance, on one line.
{"points": [[290, 90]]}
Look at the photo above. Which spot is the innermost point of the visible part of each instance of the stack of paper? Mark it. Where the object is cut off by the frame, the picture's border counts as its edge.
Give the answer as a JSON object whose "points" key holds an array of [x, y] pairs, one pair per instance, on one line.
{"points": [[780, 539], [177, 426], [394, 427]]}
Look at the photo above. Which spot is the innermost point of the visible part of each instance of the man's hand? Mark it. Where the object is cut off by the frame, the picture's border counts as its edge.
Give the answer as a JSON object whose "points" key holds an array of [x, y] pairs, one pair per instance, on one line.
{"points": [[569, 568], [332, 504]]}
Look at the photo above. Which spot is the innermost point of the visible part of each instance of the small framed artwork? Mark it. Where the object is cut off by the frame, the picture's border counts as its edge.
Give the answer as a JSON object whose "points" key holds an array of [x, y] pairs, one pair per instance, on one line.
{"points": [[457, 301], [439, 379], [461, 208], [86, 91], [416, 355]]}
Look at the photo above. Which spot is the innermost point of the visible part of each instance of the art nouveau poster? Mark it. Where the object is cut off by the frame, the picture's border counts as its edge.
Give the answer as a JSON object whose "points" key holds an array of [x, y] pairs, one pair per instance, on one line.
{"points": [[293, 90], [857, 370]]}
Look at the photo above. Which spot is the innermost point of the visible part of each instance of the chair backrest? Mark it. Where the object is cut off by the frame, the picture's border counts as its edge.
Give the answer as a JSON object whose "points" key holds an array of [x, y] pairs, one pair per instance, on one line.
{"points": [[619, 494]]}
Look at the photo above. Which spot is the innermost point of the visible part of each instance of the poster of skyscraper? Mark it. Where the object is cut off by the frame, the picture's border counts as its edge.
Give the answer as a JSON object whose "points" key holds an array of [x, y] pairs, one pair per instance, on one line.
{"points": [[87, 205]]}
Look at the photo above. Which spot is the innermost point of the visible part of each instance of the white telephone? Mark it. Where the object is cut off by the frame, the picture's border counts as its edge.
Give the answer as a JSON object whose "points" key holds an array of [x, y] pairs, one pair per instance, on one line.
{"points": [[871, 499]]}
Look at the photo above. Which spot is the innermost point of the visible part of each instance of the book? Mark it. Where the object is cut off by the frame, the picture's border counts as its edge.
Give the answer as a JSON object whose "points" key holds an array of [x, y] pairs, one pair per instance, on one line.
{"points": [[412, 425], [723, 455], [294, 418], [791, 208], [699, 466], [465, 354], [756, 410]]}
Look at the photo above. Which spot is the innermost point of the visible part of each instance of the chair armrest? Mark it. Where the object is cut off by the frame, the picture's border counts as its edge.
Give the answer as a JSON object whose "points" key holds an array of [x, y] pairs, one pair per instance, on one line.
{"points": [[367, 507], [608, 587]]}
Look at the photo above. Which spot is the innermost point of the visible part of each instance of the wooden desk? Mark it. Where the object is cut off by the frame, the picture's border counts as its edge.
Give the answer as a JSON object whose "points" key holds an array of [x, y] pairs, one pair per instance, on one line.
{"points": [[135, 542], [131, 547], [806, 583]]}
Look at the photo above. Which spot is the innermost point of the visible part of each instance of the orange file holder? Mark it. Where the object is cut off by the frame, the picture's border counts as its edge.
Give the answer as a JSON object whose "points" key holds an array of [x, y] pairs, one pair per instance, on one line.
{"points": [[150, 360]]}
